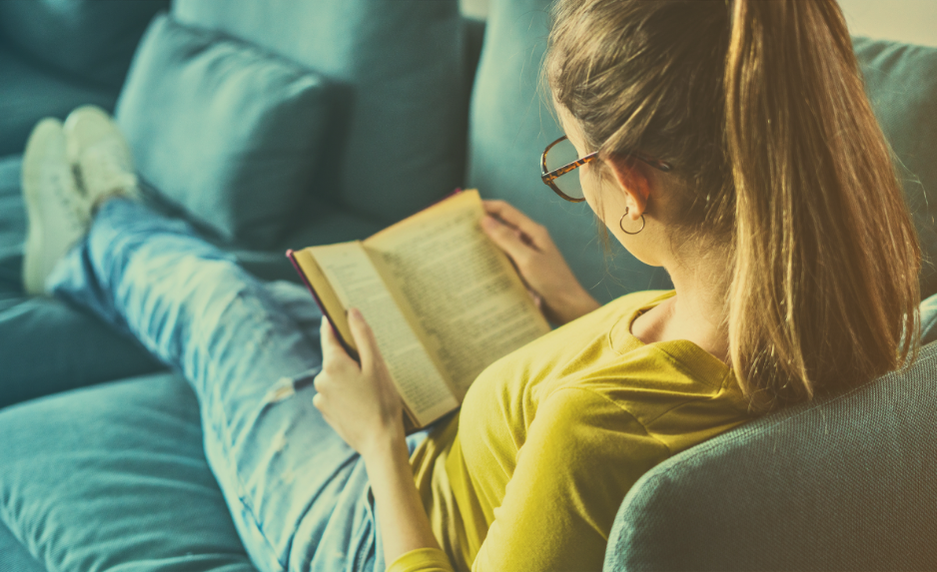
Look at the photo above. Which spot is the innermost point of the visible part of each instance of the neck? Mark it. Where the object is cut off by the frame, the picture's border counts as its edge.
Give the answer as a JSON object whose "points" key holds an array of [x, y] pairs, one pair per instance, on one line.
{"points": [[698, 312]]}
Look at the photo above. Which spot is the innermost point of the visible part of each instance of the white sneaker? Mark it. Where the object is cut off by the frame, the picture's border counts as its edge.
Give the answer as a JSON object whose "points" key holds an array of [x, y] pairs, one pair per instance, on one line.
{"points": [[58, 215], [101, 155]]}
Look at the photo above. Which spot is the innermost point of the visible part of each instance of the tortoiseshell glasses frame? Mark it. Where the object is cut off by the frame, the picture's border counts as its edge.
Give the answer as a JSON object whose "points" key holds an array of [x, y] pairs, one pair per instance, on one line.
{"points": [[548, 177]]}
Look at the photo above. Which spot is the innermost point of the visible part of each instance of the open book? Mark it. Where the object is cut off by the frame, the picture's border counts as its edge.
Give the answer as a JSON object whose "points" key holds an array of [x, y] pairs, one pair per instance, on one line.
{"points": [[443, 301]]}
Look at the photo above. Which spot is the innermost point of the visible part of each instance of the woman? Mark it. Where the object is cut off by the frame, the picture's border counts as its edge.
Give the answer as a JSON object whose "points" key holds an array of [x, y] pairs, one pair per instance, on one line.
{"points": [[730, 143]]}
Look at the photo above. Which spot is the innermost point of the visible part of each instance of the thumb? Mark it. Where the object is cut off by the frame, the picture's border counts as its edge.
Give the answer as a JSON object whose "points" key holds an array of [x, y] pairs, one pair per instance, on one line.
{"points": [[364, 339], [505, 237]]}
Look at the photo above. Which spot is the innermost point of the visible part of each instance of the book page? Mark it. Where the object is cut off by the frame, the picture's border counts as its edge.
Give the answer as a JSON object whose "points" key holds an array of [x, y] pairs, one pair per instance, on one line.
{"points": [[357, 284], [471, 305]]}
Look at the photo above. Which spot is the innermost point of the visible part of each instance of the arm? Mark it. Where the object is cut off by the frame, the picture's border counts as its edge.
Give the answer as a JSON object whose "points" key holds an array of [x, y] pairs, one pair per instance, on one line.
{"points": [[361, 403], [561, 297]]}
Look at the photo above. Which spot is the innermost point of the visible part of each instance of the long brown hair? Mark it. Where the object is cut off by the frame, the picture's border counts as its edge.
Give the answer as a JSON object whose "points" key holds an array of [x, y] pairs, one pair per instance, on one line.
{"points": [[760, 107]]}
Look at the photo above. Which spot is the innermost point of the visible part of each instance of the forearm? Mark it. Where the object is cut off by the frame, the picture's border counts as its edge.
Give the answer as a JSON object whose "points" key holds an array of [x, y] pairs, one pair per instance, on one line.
{"points": [[403, 521]]}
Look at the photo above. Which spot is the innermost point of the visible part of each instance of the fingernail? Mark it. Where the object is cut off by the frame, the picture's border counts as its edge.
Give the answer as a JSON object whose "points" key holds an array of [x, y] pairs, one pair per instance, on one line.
{"points": [[489, 222]]}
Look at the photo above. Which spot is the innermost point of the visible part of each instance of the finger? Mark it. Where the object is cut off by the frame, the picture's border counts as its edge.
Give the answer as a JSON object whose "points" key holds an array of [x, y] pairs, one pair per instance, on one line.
{"points": [[513, 217], [507, 239], [331, 348], [319, 403], [319, 382], [364, 339]]}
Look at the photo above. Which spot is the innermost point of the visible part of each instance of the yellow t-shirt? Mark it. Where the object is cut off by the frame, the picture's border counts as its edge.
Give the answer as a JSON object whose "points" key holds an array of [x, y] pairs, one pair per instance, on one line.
{"points": [[530, 474]]}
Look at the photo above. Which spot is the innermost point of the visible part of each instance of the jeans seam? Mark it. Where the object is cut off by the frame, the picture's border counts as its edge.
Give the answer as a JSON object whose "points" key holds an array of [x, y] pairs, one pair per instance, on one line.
{"points": [[239, 483]]}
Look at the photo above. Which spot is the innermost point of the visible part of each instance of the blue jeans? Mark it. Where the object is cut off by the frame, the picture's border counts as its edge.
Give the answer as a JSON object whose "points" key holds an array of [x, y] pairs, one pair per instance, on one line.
{"points": [[299, 496]]}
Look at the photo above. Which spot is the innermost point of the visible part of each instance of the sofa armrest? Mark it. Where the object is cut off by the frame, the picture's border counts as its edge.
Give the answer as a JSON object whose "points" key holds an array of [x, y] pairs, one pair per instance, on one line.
{"points": [[842, 483]]}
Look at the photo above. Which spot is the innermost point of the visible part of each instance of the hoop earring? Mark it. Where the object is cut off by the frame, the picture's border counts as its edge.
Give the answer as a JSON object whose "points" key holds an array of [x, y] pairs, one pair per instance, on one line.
{"points": [[622, 219]]}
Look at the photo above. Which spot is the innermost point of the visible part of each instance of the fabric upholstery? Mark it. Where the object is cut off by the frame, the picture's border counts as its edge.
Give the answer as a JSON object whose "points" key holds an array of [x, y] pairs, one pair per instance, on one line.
{"points": [[48, 346], [113, 477], [15, 556], [842, 484], [92, 39], [31, 92], [396, 143], [511, 124], [512, 121], [222, 129], [397, 140], [901, 81], [929, 320]]}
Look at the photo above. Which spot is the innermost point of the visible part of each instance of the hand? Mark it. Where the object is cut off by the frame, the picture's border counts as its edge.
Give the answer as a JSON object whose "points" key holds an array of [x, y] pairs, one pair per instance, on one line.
{"points": [[560, 296], [359, 401]]}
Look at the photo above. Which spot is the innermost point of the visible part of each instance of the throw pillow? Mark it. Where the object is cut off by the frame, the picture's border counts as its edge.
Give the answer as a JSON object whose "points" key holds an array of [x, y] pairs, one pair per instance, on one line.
{"points": [[399, 70], [223, 129]]}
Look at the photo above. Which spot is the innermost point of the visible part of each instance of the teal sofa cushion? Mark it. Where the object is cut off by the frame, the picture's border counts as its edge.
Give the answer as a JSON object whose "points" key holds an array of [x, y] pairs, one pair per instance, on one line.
{"points": [[224, 130], [114, 478], [15, 556], [32, 92], [90, 39], [511, 123], [929, 320], [901, 81], [397, 140], [47, 346]]}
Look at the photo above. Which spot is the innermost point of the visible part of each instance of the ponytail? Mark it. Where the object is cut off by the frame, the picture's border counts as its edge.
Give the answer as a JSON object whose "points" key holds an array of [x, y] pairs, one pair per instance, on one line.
{"points": [[760, 109], [825, 291]]}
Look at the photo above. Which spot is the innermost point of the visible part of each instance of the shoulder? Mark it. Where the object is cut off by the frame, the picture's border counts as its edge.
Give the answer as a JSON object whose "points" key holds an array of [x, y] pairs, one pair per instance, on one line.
{"points": [[580, 433], [584, 415]]}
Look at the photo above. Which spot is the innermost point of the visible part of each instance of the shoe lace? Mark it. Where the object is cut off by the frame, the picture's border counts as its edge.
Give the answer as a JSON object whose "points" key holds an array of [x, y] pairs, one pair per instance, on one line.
{"points": [[103, 173], [74, 203]]}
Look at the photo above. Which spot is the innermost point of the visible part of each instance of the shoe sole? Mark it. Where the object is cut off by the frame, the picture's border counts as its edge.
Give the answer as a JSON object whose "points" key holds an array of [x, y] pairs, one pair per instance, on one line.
{"points": [[33, 272]]}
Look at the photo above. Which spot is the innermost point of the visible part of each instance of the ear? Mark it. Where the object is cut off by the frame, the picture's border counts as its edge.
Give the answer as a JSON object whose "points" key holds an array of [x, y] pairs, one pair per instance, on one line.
{"points": [[633, 182]]}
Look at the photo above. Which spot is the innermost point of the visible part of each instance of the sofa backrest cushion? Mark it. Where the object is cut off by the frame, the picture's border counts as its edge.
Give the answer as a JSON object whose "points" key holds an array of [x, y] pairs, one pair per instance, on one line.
{"points": [[397, 140], [222, 129], [512, 121], [901, 81], [841, 484], [92, 39]]}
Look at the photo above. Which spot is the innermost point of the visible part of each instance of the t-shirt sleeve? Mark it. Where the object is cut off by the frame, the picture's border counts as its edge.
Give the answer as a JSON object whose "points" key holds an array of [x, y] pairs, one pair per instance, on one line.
{"points": [[582, 454]]}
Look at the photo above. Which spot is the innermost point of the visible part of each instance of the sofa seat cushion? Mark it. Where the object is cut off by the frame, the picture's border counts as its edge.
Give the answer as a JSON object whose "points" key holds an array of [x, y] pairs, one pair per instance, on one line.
{"points": [[114, 477], [31, 92], [48, 346], [16, 558], [845, 483]]}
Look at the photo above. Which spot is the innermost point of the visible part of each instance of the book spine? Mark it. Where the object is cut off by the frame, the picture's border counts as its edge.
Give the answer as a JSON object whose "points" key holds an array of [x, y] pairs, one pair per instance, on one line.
{"points": [[302, 275]]}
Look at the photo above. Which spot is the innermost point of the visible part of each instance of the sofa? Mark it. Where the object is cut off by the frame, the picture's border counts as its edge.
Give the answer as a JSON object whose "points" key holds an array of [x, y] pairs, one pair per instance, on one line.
{"points": [[275, 125]]}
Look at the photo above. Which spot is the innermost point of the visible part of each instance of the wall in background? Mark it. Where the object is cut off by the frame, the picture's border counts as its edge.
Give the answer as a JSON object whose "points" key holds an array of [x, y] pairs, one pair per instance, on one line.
{"points": [[912, 21], [474, 8]]}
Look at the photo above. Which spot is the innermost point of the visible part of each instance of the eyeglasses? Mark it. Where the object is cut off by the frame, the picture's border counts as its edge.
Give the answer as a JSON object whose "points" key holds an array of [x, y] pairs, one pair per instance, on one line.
{"points": [[560, 159]]}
